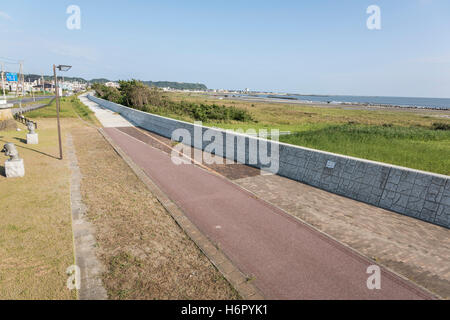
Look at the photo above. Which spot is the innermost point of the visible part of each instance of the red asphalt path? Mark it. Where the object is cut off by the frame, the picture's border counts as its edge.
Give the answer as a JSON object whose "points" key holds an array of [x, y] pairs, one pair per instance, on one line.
{"points": [[286, 258]]}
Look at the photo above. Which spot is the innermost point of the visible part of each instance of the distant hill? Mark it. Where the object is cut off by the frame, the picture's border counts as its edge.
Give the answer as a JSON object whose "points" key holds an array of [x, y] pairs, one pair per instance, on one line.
{"points": [[101, 80], [176, 85], [159, 84], [34, 77]]}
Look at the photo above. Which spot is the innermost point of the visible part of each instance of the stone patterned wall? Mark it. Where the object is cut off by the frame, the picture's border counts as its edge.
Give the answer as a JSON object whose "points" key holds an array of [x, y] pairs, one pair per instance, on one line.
{"points": [[418, 194]]}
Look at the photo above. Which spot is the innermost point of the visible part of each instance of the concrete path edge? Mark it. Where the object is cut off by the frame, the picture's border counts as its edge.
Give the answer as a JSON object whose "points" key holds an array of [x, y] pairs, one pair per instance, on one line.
{"points": [[91, 269]]}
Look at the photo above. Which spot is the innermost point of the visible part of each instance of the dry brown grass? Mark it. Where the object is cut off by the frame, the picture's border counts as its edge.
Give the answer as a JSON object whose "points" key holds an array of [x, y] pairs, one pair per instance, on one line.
{"points": [[36, 244], [146, 254], [300, 117]]}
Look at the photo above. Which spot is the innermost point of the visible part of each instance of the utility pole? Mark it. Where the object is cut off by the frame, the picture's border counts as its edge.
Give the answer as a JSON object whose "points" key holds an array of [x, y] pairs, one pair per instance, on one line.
{"points": [[3, 81], [23, 79], [19, 79], [32, 91], [17, 84], [43, 84]]}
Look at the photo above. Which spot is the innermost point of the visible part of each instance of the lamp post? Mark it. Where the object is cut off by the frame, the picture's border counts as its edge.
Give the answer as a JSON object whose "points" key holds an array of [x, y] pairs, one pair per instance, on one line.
{"points": [[3, 83], [60, 68]]}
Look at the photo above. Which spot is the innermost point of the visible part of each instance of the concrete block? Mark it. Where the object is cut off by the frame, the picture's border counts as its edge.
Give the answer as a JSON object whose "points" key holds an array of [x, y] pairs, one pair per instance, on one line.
{"points": [[373, 170], [394, 176], [405, 187], [430, 206], [408, 176], [391, 186], [419, 191], [447, 185], [445, 200], [443, 216], [415, 204], [373, 199], [14, 169], [438, 181], [362, 167], [434, 193], [32, 138], [387, 199], [378, 192], [400, 202]]}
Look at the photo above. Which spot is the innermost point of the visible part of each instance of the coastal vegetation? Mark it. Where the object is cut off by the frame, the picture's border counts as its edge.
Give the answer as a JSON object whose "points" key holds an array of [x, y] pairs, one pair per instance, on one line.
{"points": [[136, 94], [418, 139]]}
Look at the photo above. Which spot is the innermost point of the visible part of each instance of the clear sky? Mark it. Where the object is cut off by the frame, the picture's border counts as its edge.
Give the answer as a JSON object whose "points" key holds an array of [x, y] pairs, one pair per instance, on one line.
{"points": [[310, 47]]}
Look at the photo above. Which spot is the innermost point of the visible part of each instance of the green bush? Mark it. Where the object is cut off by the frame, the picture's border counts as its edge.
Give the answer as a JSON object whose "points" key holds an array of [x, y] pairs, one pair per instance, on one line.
{"points": [[135, 94], [441, 126]]}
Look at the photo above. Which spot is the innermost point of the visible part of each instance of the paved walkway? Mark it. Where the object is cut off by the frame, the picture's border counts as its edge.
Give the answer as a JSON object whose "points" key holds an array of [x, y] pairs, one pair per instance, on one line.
{"points": [[286, 258], [418, 250], [107, 118]]}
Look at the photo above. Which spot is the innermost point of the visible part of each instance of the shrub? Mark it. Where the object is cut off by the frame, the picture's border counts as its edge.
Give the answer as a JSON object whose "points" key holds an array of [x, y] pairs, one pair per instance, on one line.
{"points": [[440, 126], [135, 94]]}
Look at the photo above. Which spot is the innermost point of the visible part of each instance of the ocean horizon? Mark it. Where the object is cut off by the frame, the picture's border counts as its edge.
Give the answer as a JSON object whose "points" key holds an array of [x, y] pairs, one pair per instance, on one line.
{"points": [[407, 102]]}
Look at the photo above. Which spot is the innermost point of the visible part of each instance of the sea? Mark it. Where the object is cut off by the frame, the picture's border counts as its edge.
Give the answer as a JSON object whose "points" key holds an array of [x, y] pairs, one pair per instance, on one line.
{"points": [[426, 103]]}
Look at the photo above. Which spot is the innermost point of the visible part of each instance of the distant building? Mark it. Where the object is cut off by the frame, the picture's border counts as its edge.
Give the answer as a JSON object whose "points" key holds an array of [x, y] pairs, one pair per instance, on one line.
{"points": [[112, 84]]}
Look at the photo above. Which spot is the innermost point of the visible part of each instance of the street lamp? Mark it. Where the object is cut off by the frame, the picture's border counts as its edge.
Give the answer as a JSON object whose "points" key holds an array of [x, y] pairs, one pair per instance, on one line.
{"points": [[60, 68]]}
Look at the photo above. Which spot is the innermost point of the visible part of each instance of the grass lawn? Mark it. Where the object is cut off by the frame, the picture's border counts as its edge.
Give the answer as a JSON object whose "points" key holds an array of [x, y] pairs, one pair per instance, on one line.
{"points": [[36, 245], [43, 101], [35, 220], [401, 137], [71, 107]]}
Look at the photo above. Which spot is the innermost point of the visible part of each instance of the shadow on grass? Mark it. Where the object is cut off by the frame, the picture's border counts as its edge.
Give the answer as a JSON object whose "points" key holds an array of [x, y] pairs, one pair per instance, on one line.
{"points": [[37, 151], [2, 171], [21, 140]]}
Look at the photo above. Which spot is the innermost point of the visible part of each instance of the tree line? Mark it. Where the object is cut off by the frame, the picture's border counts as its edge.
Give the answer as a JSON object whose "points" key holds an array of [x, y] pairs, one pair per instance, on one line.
{"points": [[136, 94]]}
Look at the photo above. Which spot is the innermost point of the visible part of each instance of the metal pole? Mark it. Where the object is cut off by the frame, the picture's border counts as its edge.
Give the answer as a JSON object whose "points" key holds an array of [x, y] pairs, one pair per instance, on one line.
{"points": [[17, 87], [23, 82], [3, 82], [19, 79], [57, 113]]}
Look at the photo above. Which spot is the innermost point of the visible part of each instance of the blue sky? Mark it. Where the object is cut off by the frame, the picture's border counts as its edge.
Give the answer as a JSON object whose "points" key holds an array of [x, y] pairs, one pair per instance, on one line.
{"points": [[310, 47]]}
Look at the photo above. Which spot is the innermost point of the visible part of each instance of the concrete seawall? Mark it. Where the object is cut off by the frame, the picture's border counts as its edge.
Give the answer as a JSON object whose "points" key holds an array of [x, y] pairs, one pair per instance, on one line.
{"points": [[418, 194]]}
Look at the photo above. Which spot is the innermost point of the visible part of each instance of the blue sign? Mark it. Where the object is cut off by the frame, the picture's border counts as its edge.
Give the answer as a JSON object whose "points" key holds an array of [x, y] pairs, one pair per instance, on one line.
{"points": [[11, 77]]}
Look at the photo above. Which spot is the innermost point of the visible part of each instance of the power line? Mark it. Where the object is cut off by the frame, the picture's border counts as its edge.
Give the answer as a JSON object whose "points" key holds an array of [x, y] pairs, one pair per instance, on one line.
{"points": [[11, 63], [3, 58]]}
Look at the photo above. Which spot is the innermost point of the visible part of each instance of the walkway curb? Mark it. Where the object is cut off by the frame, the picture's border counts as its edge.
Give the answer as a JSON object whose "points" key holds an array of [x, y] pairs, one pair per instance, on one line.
{"points": [[230, 272], [91, 269]]}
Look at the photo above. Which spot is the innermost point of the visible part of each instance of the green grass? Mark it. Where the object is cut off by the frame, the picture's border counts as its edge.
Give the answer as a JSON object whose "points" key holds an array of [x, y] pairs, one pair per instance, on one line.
{"points": [[418, 140], [418, 148], [33, 102], [36, 244], [70, 108]]}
